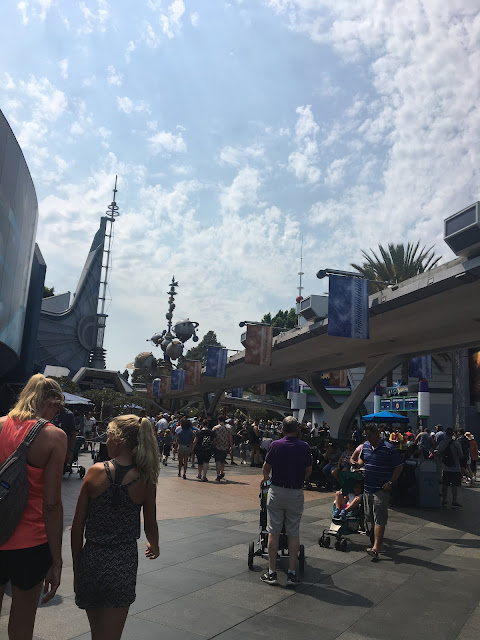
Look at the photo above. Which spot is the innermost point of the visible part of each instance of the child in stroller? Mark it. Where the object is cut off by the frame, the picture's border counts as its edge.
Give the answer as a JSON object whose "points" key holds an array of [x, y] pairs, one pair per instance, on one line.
{"points": [[347, 511], [346, 503]]}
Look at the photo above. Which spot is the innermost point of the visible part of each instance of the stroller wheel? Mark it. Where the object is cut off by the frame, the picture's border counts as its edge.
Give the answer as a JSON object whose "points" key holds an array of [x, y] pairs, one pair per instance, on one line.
{"points": [[343, 545], [81, 471], [321, 541], [326, 542], [301, 559], [338, 545], [251, 553]]}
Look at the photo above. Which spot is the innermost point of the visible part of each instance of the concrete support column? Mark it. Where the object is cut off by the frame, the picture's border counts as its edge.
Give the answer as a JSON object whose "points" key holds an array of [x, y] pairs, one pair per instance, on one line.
{"points": [[340, 416], [210, 404]]}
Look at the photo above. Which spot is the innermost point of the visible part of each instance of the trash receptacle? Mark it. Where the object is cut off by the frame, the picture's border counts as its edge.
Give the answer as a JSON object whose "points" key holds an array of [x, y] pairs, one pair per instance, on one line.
{"points": [[428, 488]]}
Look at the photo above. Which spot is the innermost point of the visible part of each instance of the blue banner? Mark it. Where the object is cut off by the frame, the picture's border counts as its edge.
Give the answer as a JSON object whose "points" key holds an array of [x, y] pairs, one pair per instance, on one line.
{"points": [[293, 384], [420, 368], [156, 388], [237, 392], [348, 307], [178, 380], [216, 362]]}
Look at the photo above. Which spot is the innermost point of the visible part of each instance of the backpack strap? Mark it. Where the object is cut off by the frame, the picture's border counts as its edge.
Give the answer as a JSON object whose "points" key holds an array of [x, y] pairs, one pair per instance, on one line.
{"points": [[34, 431]]}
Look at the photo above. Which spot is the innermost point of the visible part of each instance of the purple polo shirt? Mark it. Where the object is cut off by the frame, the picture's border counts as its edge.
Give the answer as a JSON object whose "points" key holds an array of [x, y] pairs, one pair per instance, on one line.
{"points": [[289, 458]]}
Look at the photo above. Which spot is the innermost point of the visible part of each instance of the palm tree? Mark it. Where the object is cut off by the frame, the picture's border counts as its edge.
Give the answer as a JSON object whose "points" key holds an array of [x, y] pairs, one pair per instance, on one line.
{"points": [[396, 264]]}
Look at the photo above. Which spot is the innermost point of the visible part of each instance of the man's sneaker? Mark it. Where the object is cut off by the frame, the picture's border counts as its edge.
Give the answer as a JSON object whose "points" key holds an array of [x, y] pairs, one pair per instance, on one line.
{"points": [[221, 475], [456, 504], [292, 580], [193, 465], [218, 478], [269, 578], [232, 462], [204, 479]]}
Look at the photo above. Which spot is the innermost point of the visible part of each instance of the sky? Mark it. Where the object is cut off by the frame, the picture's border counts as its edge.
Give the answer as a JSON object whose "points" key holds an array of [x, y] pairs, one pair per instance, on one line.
{"points": [[238, 130]]}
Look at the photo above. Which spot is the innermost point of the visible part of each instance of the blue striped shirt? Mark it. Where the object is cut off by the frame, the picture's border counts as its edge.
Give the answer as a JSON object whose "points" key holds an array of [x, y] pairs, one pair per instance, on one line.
{"points": [[379, 464]]}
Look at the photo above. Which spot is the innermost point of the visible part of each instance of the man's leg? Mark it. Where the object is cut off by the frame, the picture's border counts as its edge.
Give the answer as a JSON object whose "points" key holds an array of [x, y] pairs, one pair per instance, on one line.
{"points": [[272, 551], [293, 549], [379, 533]]}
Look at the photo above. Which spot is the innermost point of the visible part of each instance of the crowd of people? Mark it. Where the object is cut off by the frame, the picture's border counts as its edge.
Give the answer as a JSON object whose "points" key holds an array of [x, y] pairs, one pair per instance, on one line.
{"points": [[116, 492]]}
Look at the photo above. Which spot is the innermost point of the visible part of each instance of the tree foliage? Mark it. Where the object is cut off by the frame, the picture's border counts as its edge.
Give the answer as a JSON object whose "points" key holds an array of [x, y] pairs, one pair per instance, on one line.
{"points": [[48, 292], [199, 351], [282, 319], [396, 263], [67, 384]]}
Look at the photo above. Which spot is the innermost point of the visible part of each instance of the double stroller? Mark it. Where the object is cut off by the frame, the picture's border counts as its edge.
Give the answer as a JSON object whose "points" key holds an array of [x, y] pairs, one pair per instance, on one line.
{"points": [[344, 525]]}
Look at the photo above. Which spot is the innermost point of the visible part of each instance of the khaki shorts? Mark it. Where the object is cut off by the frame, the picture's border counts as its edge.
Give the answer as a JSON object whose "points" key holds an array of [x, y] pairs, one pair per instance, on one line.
{"points": [[376, 506], [284, 505], [184, 450]]}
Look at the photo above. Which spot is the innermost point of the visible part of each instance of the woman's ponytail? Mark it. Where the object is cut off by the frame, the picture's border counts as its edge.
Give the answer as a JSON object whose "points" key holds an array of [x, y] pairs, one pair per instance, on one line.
{"points": [[145, 454]]}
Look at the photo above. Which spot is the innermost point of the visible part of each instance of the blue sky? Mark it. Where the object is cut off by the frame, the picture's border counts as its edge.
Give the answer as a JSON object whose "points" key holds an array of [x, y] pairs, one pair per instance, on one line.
{"points": [[235, 128]]}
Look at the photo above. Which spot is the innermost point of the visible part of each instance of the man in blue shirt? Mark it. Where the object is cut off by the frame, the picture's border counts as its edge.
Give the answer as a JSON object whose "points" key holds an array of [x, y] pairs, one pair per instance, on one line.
{"points": [[289, 460], [382, 465]]}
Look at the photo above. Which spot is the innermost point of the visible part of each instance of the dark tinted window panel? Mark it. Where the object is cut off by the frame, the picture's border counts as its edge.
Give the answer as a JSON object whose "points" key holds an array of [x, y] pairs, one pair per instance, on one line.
{"points": [[461, 220], [465, 239]]}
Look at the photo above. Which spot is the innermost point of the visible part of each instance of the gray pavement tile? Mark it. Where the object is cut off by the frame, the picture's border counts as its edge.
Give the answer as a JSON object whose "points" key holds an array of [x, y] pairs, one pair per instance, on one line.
{"points": [[354, 554], [470, 629], [251, 526], [217, 565], [151, 596], [181, 580], [264, 625], [341, 599], [241, 516], [189, 613], [440, 604], [253, 595], [60, 620], [351, 635], [139, 629]]}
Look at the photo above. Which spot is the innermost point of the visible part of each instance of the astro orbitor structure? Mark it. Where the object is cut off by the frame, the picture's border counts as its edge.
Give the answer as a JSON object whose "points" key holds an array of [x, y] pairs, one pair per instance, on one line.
{"points": [[170, 340]]}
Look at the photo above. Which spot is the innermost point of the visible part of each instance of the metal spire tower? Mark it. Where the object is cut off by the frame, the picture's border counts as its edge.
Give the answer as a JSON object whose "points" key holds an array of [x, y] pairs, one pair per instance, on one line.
{"points": [[97, 355]]}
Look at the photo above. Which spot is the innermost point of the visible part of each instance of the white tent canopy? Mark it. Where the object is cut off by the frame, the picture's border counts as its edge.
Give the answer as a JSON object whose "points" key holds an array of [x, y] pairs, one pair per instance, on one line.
{"points": [[72, 399]]}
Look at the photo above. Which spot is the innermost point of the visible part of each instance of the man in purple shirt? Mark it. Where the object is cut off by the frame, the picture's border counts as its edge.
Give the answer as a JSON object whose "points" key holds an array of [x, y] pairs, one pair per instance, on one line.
{"points": [[290, 462]]}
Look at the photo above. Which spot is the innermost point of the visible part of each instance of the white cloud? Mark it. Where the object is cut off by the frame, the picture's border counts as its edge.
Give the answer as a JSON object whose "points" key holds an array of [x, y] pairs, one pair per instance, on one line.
{"points": [[95, 18], [34, 8], [242, 192], [167, 141], [114, 78], [63, 64], [194, 18], [335, 172], [128, 106], [239, 155], [8, 82], [131, 46], [170, 21], [303, 161]]}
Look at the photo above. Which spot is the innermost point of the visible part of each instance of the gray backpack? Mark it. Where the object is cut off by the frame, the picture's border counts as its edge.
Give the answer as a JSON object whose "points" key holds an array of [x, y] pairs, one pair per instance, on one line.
{"points": [[14, 484]]}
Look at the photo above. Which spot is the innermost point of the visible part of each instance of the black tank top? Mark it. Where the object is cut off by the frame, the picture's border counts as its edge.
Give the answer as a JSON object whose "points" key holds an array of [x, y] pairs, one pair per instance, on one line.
{"points": [[113, 517]]}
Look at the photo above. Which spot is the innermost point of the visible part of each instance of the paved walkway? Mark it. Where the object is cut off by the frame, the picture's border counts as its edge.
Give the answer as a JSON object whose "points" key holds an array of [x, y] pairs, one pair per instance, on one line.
{"points": [[427, 585]]}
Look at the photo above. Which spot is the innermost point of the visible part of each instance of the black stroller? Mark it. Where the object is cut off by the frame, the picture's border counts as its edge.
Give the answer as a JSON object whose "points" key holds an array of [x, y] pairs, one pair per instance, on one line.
{"points": [[73, 466], [262, 543]]}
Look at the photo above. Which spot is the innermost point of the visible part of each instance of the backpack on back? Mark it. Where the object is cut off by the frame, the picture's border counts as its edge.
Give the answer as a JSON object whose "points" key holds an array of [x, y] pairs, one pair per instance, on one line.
{"points": [[448, 458], [14, 484]]}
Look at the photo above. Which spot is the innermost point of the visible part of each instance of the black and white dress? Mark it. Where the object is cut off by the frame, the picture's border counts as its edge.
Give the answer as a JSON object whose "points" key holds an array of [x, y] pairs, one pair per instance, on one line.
{"points": [[107, 571]]}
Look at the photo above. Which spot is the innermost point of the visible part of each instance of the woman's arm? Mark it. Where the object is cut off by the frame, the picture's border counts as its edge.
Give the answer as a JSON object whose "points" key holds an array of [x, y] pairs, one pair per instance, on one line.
{"points": [[150, 523], [53, 509], [78, 525]]}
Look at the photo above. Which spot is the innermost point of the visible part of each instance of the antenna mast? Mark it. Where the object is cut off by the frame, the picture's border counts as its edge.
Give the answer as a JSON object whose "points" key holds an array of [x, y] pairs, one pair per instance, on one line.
{"points": [[97, 355]]}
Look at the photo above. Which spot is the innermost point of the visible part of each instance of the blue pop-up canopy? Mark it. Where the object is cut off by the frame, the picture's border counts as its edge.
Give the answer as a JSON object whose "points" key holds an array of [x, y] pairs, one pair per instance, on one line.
{"points": [[384, 416]]}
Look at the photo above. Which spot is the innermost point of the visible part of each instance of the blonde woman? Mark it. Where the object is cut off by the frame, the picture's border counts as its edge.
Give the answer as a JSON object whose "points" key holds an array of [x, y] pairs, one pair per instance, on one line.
{"points": [[32, 556], [108, 512]]}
